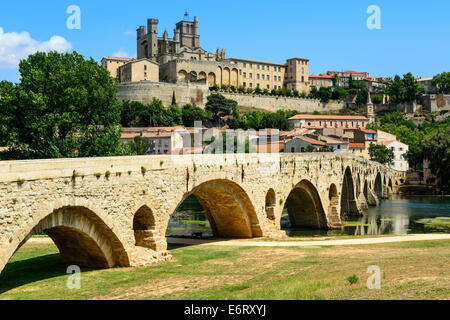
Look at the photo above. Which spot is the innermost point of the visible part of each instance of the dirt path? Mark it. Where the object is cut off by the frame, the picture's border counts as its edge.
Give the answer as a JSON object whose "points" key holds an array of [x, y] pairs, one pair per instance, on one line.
{"points": [[306, 243], [296, 243]]}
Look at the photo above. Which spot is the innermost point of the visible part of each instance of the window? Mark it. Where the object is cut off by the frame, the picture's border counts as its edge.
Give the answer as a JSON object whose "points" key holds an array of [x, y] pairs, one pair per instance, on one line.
{"points": [[245, 84], [251, 85], [245, 75], [257, 67], [274, 78], [263, 77], [145, 67], [257, 76], [251, 75], [245, 65]]}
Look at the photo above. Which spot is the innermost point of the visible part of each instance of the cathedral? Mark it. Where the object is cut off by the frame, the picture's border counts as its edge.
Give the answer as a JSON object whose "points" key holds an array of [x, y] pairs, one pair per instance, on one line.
{"points": [[184, 45], [181, 59]]}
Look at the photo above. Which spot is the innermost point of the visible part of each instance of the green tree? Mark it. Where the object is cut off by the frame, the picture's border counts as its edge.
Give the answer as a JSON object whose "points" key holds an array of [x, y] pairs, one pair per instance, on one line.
{"points": [[220, 107], [191, 113], [442, 82], [396, 90], [339, 93], [381, 154], [139, 146], [65, 106], [8, 105], [174, 99], [134, 114], [377, 99], [362, 96], [436, 149]]}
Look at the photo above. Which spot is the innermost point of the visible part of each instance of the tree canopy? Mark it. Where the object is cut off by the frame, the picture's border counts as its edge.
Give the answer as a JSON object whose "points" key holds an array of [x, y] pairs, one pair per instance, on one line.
{"points": [[442, 82], [436, 148], [381, 154], [64, 106]]}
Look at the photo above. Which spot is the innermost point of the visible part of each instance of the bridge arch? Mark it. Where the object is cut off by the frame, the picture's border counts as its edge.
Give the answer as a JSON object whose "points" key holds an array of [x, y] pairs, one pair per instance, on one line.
{"points": [[82, 238], [228, 208], [270, 204], [144, 228], [378, 186], [348, 199], [305, 207]]}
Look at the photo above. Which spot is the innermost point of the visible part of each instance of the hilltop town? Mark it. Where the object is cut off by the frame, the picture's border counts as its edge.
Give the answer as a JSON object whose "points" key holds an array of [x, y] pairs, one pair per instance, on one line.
{"points": [[331, 111]]}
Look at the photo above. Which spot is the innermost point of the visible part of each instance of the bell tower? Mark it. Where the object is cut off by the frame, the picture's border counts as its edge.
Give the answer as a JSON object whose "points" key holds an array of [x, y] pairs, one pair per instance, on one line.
{"points": [[370, 109]]}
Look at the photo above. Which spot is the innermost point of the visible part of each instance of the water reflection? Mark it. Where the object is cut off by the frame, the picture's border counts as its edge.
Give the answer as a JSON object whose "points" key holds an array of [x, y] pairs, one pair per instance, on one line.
{"points": [[396, 216]]}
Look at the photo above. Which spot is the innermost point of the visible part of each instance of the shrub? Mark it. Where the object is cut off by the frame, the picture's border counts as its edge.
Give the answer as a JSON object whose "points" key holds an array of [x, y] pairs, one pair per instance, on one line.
{"points": [[377, 99], [353, 279]]}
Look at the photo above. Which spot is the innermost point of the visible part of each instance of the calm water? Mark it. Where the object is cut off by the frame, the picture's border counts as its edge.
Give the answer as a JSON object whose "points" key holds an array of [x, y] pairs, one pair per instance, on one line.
{"points": [[398, 215]]}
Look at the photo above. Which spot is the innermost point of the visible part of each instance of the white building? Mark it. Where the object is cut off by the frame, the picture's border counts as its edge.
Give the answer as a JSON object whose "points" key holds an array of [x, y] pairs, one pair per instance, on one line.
{"points": [[399, 149]]}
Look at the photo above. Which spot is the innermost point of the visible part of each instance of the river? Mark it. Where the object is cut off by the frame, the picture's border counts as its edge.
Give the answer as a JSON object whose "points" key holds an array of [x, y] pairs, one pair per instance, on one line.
{"points": [[396, 216]]}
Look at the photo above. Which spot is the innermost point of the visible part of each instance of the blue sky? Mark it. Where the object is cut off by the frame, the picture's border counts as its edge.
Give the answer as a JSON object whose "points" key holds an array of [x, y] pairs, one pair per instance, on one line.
{"points": [[414, 35]]}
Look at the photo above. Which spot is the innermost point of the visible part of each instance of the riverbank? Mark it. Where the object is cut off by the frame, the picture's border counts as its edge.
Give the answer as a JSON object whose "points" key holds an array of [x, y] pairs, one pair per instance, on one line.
{"points": [[409, 270]]}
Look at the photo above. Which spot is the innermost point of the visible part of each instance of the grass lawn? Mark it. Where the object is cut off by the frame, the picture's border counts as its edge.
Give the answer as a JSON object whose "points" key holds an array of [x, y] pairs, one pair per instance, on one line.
{"points": [[410, 270]]}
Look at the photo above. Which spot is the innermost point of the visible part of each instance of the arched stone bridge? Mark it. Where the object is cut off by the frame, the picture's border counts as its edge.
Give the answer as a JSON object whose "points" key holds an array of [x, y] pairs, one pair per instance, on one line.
{"points": [[105, 212]]}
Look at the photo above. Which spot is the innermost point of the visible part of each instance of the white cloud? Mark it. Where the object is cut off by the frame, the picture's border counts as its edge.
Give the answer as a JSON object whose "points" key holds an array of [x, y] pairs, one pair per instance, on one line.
{"points": [[121, 54], [17, 46], [129, 33]]}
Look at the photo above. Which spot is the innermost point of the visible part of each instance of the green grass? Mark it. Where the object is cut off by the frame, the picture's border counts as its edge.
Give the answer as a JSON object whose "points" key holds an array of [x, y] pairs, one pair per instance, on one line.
{"points": [[410, 270]]}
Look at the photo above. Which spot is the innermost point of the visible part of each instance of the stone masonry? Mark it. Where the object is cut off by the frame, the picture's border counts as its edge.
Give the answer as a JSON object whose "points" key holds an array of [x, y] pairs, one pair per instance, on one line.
{"points": [[105, 212]]}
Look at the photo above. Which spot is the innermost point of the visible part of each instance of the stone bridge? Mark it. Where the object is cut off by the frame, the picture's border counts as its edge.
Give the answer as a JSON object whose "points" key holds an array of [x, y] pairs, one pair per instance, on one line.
{"points": [[106, 212]]}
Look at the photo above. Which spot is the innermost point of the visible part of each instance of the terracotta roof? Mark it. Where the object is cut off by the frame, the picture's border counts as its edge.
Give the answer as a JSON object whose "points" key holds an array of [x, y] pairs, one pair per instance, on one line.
{"points": [[126, 135], [388, 142], [321, 75], [158, 134], [152, 129], [356, 145], [325, 117], [424, 79], [309, 140], [368, 131]]}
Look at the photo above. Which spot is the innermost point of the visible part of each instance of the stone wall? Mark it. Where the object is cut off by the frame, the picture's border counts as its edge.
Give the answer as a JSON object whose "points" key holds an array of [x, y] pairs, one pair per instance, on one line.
{"points": [[273, 104], [435, 102], [144, 92], [197, 93]]}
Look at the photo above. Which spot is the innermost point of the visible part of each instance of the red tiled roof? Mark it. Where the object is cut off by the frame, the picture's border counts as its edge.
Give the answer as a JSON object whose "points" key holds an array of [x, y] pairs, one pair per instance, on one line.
{"points": [[356, 145], [325, 117], [309, 140], [321, 76], [368, 131]]}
